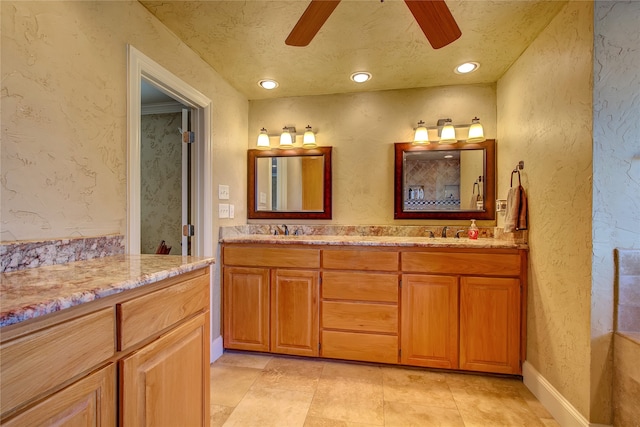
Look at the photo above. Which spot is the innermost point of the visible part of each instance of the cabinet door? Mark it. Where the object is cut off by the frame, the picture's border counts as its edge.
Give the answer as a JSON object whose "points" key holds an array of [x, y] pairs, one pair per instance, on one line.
{"points": [[490, 324], [429, 334], [294, 312], [166, 383], [246, 308], [90, 401]]}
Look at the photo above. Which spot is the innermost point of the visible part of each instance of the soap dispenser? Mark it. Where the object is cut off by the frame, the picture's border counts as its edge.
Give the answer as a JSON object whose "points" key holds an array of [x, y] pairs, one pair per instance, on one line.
{"points": [[473, 230]]}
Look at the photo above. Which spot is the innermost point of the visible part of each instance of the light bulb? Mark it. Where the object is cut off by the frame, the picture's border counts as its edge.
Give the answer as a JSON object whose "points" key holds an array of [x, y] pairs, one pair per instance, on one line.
{"points": [[476, 131], [286, 141], [263, 139], [422, 134], [309, 138]]}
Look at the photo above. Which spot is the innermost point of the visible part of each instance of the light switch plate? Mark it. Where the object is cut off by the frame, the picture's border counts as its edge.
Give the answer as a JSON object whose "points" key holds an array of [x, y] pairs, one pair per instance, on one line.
{"points": [[223, 210], [501, 205], [232, 211], [223, 192]]}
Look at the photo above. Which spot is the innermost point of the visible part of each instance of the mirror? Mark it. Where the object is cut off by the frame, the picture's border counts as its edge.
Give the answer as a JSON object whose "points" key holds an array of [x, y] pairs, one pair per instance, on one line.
{"points": [[289, 184], [445, 181]]}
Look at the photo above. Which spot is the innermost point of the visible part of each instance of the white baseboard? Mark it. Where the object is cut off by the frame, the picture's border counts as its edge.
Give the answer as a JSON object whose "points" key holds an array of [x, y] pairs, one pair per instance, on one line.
{"points": [[562, 410], [216, 349]]}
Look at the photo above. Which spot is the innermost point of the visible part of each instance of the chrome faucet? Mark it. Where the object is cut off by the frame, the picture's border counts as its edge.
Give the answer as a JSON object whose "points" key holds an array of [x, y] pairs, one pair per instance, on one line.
{"points": [[431, 234], [458, 233], [286, 229], [444, 232]]}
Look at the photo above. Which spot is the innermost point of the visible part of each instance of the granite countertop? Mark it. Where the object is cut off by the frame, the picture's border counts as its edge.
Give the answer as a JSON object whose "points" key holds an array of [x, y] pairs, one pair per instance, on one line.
{"points": [[29, 293], [423, 242]]}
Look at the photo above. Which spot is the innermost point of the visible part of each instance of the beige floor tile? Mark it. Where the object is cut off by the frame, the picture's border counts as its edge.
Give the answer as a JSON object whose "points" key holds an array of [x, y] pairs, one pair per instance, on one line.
{"points": [[247, 360], [398, 414], [352, 370], [356, 400], [219, 415], [263, 407], [291, 374], [417, 386], [326, 422], [229, 384], [481, 408]]}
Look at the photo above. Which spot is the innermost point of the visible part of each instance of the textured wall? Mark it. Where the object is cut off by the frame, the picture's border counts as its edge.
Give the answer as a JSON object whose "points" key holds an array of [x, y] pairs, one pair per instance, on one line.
{"points": [[544, 118], [362, 129], [616, 173], [160, 182], [64, 114], [64, 92]]}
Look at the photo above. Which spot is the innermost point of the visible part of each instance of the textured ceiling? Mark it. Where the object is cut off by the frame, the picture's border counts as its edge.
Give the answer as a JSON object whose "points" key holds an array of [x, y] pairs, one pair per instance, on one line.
{"points": [[244, 42]]}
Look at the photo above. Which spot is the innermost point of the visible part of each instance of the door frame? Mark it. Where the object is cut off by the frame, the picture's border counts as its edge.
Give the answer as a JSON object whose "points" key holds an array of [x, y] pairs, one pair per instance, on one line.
{"points": [[140, 66]]}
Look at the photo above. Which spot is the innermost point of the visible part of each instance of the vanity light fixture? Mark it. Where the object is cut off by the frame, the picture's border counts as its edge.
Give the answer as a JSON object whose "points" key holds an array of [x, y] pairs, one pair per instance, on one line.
{"points": [[263, 140], [309, 138], [360, 76], [467, 67], [268, 84], [476, 131], [444, 132], [286, 137], [421, 136], [448, 133]]}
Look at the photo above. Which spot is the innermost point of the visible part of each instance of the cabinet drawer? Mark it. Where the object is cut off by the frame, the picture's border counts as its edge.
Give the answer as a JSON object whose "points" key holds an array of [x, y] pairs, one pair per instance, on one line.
{"points": [[358, 346], [360, 316], [40, 361], [269, 256], [495, 264], [147, 315], [354, 259], [360, 286]]}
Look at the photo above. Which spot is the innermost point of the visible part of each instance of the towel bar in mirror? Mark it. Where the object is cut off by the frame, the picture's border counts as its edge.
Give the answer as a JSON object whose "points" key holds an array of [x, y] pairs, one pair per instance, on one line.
{"points": [[289, 184], [445, 181]]}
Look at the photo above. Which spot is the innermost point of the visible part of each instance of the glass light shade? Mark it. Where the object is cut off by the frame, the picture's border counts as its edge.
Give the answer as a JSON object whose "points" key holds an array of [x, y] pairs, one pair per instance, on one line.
{"points": [[286, 140], [309, 138], [422, 134], [263, 139], [476, 131], [448, 134]]}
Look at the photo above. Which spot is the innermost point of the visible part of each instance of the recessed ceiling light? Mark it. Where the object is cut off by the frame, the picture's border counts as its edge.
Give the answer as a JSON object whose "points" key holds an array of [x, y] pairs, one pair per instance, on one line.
{"points": [[467, 67], [360, 76], [268, 84], [448, 156]]}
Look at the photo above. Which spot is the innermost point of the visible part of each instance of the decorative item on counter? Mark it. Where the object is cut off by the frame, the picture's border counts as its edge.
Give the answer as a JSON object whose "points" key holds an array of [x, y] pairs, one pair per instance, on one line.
{"points": [[473, 230], [163, 249]]}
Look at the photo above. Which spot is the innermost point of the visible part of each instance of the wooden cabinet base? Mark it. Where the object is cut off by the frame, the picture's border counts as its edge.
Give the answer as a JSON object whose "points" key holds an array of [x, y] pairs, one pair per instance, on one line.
{"points": [[88, 402], [358, 346], [167, 382]]}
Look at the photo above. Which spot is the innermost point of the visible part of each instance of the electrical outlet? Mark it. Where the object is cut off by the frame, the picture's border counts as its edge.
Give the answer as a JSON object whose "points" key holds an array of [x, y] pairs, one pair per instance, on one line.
{"points": [[223, 210], [232, 211], [501, 205], [223, 192]]}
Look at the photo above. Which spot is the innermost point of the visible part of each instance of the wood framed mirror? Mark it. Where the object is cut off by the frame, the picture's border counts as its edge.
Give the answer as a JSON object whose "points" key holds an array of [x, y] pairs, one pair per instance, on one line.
{"points": [[289, 184], [445, 181]]}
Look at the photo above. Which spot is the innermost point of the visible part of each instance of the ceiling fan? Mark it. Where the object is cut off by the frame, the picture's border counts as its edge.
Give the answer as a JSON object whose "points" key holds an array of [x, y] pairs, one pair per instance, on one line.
{"points": [[433, 17]]}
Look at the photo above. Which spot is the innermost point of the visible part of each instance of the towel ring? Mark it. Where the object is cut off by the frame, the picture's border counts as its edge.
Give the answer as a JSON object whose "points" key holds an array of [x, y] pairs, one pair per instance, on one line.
{"points": [[514, 172]]}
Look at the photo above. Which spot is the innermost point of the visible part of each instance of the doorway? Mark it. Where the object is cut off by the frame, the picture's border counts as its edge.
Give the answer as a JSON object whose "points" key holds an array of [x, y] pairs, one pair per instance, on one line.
{"points": [[166, 173], [142, 71]]}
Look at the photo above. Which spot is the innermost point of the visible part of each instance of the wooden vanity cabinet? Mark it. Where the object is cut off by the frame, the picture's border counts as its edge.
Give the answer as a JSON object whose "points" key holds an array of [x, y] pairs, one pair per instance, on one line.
{"points": [[270, 299], [133, 358], [469, 313], [430, 321], [359, 319]]}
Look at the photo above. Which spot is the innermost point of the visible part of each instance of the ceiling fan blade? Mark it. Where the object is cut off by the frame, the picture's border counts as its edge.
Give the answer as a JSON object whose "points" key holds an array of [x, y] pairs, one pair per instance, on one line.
{"points": [[435, 20], [311, 21]]}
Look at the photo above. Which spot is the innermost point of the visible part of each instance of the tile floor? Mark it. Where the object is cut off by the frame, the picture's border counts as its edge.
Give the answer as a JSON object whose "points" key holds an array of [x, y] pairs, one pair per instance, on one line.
{"points": [[263, 390]]}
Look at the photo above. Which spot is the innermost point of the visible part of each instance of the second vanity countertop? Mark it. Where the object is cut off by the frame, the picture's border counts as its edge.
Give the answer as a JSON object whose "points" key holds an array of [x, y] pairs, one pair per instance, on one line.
{"points": [[399, 241], [30, 293]]}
